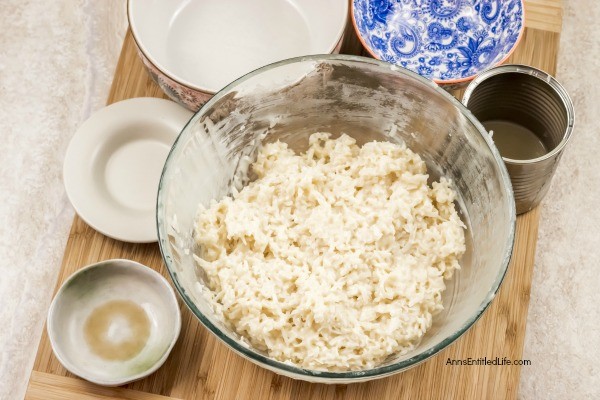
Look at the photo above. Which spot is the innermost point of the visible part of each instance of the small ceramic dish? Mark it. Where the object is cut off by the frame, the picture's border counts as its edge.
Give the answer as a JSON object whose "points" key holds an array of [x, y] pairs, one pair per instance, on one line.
{"points": [[114, 322], [113, 165], [447, 41], [192, 49]]}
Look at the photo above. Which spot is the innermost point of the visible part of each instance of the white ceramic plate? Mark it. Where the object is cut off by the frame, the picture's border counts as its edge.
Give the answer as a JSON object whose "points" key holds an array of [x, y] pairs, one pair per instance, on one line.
{"points": [[113, 164], [205, 44], [108, 283]]}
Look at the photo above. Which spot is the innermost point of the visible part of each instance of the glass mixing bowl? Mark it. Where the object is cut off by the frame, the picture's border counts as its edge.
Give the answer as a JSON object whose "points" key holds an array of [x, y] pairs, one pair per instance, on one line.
{"points": [[368, 100]]}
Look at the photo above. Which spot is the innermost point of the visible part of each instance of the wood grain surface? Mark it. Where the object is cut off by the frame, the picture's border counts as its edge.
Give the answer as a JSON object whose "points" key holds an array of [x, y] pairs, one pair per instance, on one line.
{"points": [[201, 367]]}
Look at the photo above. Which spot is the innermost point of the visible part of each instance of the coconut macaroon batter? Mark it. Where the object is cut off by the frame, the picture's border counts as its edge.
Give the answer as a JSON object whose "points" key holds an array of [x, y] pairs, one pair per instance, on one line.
{"points": [[333, 259]]}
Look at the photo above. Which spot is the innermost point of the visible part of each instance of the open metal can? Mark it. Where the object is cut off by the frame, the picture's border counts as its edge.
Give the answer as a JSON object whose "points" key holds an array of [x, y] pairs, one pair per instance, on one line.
{"points": [[526, 101]]}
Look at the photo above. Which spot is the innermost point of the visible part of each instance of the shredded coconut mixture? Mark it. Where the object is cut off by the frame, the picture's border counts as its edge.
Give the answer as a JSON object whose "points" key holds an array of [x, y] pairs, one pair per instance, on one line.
{"points": [[333, 259]]}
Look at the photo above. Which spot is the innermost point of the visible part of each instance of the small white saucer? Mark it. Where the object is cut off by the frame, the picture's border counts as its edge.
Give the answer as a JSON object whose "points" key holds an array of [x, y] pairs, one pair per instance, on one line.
{"points": [[120, 283], [113, 164]]}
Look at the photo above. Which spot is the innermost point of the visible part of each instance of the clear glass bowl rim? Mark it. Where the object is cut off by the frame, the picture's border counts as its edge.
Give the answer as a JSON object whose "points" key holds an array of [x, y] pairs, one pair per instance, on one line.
{"points": [[332, 377]]}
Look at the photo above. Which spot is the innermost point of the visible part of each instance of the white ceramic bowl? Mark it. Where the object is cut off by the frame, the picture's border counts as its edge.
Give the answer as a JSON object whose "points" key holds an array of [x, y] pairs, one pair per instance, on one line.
{"points": [[113, 283], [192, 49]]}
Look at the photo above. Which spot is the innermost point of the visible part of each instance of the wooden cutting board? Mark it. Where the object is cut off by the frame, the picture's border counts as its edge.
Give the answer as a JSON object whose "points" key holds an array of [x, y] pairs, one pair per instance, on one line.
{"points": [[201, 367]]}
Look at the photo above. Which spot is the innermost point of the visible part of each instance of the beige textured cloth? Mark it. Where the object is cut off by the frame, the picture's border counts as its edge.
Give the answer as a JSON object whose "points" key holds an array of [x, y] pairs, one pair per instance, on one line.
{"points": [[563, 326], [56, 64]]}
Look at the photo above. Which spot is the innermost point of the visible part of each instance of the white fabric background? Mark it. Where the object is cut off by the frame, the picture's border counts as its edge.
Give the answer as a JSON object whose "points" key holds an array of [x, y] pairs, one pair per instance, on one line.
{"points": [[56, 63], [563, 325]]}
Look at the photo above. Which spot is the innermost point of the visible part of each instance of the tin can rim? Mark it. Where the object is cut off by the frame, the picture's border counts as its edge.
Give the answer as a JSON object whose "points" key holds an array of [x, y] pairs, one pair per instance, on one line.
{"points": [[542, 76]]}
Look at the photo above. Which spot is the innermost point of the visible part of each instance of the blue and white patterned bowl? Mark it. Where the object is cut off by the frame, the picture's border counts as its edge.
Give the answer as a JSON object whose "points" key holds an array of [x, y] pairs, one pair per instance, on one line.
{"points": [[449, 41]]}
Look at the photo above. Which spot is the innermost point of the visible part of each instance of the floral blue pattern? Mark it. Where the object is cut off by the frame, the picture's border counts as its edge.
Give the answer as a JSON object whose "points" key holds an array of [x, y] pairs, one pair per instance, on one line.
{"points": [[440, 39]]}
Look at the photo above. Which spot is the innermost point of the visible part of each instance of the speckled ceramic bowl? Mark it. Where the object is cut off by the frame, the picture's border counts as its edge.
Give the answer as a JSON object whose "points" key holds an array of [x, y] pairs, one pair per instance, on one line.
{"points": [[192, 49], [447, 41], [135, 296]]}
